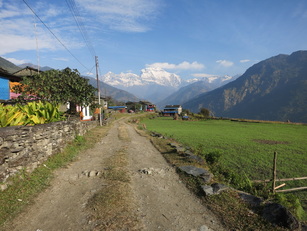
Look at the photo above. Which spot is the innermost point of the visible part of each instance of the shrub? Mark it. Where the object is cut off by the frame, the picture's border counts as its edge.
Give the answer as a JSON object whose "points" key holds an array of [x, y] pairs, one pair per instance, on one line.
{"points": [[205, 112], [213, 158], [292, 202], [30, 114]]}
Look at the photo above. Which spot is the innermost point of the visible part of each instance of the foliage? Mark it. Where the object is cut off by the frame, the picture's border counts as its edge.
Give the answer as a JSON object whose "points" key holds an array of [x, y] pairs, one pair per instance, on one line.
{"points": [[205, 112], [186, 111], [57, 86], [292, 202], [213, 158], [30, 114], [10, 116]]}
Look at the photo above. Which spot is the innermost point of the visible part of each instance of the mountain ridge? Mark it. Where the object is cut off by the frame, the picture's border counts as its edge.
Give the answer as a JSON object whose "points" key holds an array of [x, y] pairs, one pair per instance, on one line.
{"points": [[157, 85], [8, 66], [273, 89]]}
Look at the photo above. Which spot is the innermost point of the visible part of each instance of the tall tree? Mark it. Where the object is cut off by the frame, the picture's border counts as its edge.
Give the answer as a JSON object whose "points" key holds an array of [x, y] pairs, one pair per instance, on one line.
{"points": [[56, 87], [205, 112]]}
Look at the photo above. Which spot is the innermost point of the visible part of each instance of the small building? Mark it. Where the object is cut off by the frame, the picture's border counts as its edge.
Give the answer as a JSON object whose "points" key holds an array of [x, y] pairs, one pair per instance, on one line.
{"points": [[171, 110], [27, 71], [7, 81], [121, 109], [150, 107], [24, 72]]}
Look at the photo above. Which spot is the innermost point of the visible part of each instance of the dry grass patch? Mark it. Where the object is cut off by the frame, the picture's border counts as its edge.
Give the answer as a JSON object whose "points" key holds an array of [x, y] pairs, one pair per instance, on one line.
{"points": [[112, 208], [123, 133]]}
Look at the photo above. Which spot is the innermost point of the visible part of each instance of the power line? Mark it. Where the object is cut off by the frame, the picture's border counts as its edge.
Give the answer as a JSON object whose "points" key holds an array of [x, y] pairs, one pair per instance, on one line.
{"points": [[78, 19], [55, 35]]}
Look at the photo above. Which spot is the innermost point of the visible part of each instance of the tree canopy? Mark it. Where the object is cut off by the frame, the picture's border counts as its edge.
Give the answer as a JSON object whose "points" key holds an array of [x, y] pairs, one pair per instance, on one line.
{"points": [[205, 112], [57, 86]]}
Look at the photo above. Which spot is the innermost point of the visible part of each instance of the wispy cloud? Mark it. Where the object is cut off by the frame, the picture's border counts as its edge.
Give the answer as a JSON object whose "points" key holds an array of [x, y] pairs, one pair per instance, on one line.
{"points": [[202, 75], [244, 60], [18, 31], [123, 15], [61, 59], [225, 63], [16, 61], [181, 66], [89, 73]]}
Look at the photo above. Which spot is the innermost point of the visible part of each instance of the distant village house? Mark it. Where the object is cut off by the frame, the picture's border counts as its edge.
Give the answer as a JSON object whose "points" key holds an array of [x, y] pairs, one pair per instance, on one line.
{"points": [[171, 110]]}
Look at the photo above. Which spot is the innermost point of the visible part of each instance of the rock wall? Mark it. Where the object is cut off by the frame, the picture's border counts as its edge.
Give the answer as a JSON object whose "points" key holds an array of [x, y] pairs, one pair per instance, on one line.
{"points": [[28, 146]]}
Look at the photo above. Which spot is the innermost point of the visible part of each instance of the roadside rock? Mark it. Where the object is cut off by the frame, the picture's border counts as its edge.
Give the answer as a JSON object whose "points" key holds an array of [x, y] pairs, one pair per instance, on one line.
{"points": [[153, 171], [250, 199], [213, 189], [91, 173], [198, 159], [197, 172], [279, 215], [158, 135]]}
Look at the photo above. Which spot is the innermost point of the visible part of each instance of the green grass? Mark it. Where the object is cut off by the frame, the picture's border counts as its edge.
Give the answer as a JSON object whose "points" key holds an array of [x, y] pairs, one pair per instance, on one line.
{"points": [[240, 144], [245, 147]]}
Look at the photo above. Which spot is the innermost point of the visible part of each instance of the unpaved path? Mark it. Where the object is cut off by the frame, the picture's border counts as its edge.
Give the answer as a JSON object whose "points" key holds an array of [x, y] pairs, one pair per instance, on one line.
{"points": [[161, 200]]}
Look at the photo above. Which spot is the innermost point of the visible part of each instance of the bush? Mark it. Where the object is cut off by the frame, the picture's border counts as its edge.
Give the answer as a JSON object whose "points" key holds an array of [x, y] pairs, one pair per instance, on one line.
{"points": [[292, 202], [213, 158], [30, 114], [205, 112]]}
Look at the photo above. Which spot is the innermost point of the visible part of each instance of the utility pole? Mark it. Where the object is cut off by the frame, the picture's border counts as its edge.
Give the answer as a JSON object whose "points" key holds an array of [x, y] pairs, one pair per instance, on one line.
{"points": [[98, 90]]}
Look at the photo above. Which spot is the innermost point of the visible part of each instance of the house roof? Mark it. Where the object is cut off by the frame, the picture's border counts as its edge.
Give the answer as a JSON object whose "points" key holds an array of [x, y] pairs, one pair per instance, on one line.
{"points": [[172, 106], [27, 71], [117, 107], [12, 77]]}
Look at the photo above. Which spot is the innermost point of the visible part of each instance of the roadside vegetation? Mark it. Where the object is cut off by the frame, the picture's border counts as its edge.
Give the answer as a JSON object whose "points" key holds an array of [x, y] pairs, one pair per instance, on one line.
{"points": [[26, 186], [57, 87], [30, 113], [239, 152]]}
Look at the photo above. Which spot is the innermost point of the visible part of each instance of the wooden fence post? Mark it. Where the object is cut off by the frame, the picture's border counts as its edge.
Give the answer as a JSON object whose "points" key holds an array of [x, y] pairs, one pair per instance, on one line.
{"points": [[274, 172]]}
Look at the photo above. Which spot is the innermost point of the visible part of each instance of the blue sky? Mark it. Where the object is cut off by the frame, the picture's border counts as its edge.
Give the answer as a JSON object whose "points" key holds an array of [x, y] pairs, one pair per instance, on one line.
{"points": [[186, 37]]}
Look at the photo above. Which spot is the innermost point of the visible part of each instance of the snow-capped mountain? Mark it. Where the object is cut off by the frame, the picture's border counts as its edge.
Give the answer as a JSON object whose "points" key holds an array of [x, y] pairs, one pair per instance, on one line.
{"points": [[212, 79], [147, 76], [122, 79], [160, 77], [155, 84]]}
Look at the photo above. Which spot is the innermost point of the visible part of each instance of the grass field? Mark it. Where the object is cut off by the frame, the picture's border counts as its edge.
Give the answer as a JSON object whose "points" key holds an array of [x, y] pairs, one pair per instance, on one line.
{"points": [[245, 147]]}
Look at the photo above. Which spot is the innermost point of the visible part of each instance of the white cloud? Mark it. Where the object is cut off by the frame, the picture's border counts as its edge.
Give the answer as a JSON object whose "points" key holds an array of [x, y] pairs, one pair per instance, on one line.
{"points": [[181, 66], [202, 75], [123, 15], [16, 61], [244, 60], [61, 59], [225, 63], [89, 73], [19, 34]]}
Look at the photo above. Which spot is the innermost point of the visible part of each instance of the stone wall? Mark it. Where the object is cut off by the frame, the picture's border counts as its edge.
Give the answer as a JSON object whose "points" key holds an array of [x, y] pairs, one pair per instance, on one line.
{"points": [[28, 146]]}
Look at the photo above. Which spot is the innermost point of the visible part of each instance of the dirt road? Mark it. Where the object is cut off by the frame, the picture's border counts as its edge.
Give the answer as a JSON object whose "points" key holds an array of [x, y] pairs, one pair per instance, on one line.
{"points": [[161, 201]]}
